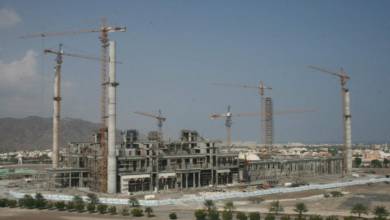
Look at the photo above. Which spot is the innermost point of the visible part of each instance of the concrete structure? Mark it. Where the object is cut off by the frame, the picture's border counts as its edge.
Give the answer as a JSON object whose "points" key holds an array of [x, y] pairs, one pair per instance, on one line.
{"points": [[268, 123], [347, 133], [187, 163], [347, 169], [57, 107], [111, 163]]}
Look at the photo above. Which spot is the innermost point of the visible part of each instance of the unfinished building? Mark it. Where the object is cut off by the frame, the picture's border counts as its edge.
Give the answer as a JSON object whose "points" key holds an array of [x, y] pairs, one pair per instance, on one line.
{"points": [[147, 165]]}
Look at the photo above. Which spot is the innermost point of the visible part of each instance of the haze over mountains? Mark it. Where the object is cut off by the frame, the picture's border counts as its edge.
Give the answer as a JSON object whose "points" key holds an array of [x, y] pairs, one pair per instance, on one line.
{"points": [[36, 132]]}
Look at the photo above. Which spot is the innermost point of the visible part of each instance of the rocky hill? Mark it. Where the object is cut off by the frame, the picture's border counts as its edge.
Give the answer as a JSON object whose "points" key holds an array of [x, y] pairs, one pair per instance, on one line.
{"points": [[36, 132]]}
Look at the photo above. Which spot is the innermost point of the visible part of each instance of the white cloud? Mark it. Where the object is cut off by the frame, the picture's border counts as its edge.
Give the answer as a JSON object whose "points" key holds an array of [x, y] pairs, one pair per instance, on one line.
{"points": [[8, 18], [25, 89], [19, 73]]}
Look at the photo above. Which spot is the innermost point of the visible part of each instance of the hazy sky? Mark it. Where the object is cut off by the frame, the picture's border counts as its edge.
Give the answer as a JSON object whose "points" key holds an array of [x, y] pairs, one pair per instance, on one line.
{"points": [[173, 51]]}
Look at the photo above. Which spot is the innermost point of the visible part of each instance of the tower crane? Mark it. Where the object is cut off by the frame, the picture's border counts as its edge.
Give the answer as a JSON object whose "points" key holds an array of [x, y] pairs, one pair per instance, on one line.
{"points": [[104, 30], [266, 125], [343, 76], [228, 124], [228, 118], [57, 96], [160, 120]]}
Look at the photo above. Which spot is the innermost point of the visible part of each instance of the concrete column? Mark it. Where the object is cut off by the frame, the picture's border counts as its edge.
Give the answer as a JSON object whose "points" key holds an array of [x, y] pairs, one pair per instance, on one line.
{"points": [[57, 108], [199, 179], [347, 134], [186, 180], [193, 180], [111, 165]]}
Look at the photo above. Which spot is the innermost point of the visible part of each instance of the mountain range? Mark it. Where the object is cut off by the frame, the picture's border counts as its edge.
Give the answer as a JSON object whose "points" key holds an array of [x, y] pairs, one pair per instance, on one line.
{"points": [[33, 132]]}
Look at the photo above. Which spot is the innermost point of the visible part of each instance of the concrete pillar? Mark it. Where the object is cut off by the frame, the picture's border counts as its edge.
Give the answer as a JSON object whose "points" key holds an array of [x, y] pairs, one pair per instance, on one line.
{"points": [[186, 180], [193, 180], [57, 108], [347, 134], [199, 180], [111, 165]]}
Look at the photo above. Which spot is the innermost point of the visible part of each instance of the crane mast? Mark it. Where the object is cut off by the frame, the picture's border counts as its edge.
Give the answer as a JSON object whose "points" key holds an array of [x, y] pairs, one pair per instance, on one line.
{"points": [[342, 75], [229, 115], [57, 107], [103, 37], [266, 122], [57, 96]]}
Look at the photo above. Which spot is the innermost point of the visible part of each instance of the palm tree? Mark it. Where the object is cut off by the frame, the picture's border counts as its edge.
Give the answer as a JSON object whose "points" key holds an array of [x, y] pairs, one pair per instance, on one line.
{"points": [[92, 198], [229, 206], [149, 211], [275, 207], [133, 202], [380, 212], [209, 205], [300, 208], [359, 209]]}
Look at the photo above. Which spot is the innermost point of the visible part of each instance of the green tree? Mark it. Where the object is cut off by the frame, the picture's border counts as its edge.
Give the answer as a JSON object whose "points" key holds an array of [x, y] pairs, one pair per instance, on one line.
{"points": [[357, 161], [227, 215], [12, 203], [27, 202], [380, 213], [70, 206], [112, 210], [332, 217], [172, 216], [133, 202], [229, 206], [269, 217], [285, 217], [3, 203], [91, 207], [200, 214], [102, 208], [241, 216], [125, 211], [149, 211], [359, 209], [300, 208], [60, 205], [137, 212], [209, 204], [315, 217], [276, 207], [386, 162], [336, 194], [213, 215], [376, 164], [40, 201], [254, 216], [92, 198], [78, 202]]}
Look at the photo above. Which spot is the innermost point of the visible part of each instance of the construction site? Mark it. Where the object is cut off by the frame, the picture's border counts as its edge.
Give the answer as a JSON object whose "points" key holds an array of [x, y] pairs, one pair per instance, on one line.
{"points": [[134, 164]]}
